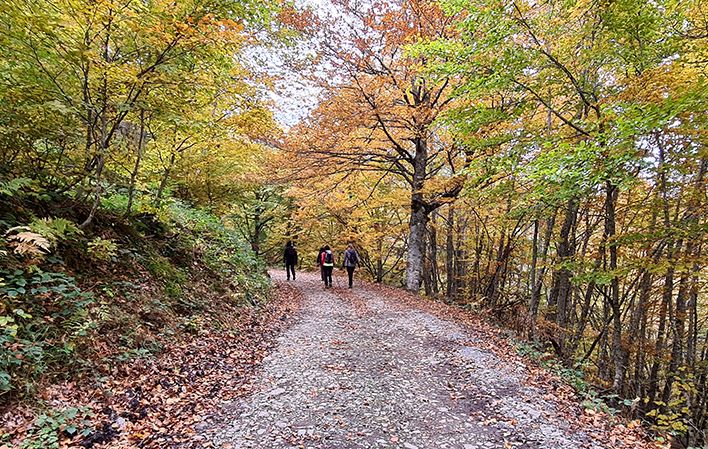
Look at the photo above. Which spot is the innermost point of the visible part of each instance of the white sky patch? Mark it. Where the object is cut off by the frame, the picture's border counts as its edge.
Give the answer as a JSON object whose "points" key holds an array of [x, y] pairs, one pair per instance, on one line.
{"points": [[293, 95]]}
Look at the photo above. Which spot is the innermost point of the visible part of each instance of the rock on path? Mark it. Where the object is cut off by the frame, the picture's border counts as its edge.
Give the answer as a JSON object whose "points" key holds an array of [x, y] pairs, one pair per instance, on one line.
{"points": [[358, 370]]}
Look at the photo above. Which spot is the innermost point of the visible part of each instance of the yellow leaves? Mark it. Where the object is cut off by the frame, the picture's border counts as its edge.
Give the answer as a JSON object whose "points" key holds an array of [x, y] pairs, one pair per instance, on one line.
{"points": [[438, 186], [635, 424]]}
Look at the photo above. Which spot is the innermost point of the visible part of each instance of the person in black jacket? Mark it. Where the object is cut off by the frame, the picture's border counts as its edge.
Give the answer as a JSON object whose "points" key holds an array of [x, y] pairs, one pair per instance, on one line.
{"points": [[319, 262], [290, 259]]}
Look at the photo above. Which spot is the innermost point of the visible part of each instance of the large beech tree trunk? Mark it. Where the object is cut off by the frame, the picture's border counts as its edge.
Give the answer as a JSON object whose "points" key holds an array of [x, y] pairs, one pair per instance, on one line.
{"points": [[418, 220], [416, 243]]}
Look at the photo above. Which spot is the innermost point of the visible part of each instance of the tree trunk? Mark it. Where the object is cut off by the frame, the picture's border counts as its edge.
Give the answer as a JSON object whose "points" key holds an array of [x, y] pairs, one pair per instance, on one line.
{"points": [[660, 335], [427, 268], [136, 167], [433, 252], [450, 253], [379, 262], [536, 292], [101, 161], [534, 260], [416, 242], [418, 220], [562, 287], [165, 178], [461, 276], [618, 352]]}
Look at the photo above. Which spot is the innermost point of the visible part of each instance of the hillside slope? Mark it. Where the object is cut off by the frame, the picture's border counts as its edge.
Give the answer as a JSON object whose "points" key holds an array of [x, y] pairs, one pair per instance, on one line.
{"points": [[84, 310]]}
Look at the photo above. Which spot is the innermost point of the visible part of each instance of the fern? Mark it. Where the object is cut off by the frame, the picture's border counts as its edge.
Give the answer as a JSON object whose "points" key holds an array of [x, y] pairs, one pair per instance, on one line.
{"points": [[55, 229], [14, 186], [26, 242]]}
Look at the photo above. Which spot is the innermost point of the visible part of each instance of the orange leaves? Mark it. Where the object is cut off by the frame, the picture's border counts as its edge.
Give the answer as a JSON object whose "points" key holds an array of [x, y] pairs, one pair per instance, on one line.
{"points": [[299, 20], [156, 403]]}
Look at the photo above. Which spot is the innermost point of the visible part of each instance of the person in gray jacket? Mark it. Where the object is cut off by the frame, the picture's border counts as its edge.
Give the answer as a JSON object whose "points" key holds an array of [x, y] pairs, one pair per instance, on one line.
{"points": [[351, 260]]}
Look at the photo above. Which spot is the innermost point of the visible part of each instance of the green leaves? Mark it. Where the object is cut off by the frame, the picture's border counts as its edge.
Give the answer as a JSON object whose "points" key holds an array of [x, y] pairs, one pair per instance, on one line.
{"points": [[46, 428], [45, 306], [14, 186]]}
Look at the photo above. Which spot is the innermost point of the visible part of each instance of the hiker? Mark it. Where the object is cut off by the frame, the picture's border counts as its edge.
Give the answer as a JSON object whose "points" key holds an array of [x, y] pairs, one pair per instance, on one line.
{"points": [[351, 259], [319, 262], [290, 258], [327, 261]]}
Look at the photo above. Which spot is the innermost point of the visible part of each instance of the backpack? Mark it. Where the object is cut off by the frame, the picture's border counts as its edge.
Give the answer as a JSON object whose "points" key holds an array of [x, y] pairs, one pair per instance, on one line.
{"points": [[328, 259], [352, 257]]}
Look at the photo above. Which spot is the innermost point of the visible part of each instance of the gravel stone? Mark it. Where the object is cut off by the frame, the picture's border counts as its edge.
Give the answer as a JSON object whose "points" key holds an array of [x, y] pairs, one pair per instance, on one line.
{"points": [[361, 371]]}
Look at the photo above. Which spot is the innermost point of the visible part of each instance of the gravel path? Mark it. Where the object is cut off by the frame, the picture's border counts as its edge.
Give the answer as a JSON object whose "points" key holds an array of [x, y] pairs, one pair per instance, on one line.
{"points": [[358, 370]]}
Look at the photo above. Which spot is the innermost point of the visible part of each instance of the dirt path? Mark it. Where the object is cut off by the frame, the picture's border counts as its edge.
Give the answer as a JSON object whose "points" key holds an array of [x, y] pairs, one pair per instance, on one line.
{"points": [[359, 370]]}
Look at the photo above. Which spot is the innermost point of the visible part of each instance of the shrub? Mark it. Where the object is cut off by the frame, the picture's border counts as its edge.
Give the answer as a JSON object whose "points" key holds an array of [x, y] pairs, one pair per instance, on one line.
{"points": [[43, 315], [102, 249], [46, 428]]}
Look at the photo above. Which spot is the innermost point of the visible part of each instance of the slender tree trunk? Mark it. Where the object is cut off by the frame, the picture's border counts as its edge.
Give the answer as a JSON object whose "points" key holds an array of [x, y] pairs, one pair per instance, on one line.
{"points": [[492, 290], [433, 251], [379, 262], [165, 178], [97, 191], [676, 328], [450, 253], [667, 295], [534, 260], [427, 267], [537, 286], [461, 274], [585, 310], [618, 351], [103, 119], [136, 167], [562, 287]]}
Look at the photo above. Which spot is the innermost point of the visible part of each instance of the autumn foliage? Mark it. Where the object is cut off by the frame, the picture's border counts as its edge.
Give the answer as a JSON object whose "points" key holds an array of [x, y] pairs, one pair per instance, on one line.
{"points": [[541, 163]]}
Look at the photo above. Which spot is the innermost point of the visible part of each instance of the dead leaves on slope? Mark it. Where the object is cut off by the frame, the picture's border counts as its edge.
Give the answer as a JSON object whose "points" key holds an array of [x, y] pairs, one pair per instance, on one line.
{"points": [[172, 401]]}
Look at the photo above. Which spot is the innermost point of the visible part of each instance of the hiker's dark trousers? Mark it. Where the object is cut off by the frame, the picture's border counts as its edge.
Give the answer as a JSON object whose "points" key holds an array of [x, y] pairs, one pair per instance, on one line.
{"points": [[328, 276], [290, 268], [350, 273]]}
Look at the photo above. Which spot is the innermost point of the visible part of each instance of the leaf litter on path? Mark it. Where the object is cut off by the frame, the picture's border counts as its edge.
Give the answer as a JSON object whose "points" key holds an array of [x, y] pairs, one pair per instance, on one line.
{"points": [[376, 367]]}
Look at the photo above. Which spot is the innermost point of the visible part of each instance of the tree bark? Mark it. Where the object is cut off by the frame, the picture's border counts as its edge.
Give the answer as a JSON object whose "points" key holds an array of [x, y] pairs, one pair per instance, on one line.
{"points": [[165, 178], [419, 218], [536, 292], [434, 272], [136, 167], [450, 253], [562, 287], [618, 351]]}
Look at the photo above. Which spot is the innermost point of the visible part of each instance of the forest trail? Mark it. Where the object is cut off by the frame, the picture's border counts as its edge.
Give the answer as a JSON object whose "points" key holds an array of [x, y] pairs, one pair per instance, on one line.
{"points": [[361, 369]]}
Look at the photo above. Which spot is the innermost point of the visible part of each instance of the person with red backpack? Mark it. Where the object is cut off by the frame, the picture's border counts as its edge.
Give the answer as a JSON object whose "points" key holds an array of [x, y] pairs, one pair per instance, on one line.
{"points": [[351, 259], [327, 264]]}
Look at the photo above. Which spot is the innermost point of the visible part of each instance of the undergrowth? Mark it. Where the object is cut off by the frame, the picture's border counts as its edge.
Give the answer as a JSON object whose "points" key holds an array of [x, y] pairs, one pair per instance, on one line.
{"points": [[73, 301], [575, 377]]}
